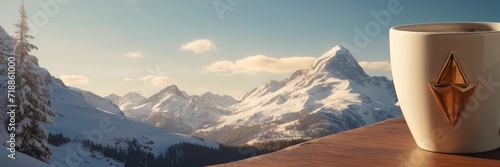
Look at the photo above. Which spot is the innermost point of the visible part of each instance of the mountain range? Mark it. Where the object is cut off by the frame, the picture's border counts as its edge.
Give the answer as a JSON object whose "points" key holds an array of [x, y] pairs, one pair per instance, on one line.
{"points": [[174, 110], [82, 118], [334, 94]]}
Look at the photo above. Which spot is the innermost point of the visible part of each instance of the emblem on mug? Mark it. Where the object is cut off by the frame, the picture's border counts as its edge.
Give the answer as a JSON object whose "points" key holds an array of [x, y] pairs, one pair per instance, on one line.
{"points": [[451, 90]]}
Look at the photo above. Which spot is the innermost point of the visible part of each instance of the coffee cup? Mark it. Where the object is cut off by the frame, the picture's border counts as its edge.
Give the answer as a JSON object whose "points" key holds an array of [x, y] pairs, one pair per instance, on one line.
{"points": [[447, 80]]}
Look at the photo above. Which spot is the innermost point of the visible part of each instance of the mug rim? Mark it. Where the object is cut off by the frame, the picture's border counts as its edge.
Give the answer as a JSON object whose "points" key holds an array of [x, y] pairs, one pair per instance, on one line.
{"points": [[448, 27]]}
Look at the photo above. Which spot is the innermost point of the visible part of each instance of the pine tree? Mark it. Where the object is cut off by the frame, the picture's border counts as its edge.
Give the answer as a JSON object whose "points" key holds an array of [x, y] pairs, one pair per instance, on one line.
{"points": [[23, 46], [32, 98]]}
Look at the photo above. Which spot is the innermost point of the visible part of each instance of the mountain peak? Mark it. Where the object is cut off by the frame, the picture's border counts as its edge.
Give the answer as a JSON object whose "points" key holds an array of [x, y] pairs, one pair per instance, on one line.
{"points": [[171, 88], [218, 100], [132, 94], [207, 94], [340, 63], [332, 52], [112, 95]]}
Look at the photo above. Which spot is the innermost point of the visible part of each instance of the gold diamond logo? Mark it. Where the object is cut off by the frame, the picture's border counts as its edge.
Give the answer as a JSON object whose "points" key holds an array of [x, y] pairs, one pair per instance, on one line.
{"points": [[451, 90]]}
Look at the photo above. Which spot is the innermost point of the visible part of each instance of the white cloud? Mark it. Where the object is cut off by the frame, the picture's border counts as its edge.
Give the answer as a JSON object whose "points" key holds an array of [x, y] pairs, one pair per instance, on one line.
{"points": [[259, 64], [157, 81], [376, 65], [74, 79], [199, 46], [134, 54], [127, 79]]}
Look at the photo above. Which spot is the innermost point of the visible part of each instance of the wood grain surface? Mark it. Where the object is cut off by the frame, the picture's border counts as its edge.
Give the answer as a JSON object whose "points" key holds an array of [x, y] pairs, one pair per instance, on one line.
{"points": [[388, 143]]}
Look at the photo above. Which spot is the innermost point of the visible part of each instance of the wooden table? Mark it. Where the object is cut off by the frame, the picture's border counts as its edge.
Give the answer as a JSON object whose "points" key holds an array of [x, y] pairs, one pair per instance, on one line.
{"points": [[388, 143]]}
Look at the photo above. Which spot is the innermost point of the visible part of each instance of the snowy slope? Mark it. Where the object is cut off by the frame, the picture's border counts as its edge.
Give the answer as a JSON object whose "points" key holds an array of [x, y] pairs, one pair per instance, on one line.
{"points": [[98, 102], [22, 160], [76, 119]]}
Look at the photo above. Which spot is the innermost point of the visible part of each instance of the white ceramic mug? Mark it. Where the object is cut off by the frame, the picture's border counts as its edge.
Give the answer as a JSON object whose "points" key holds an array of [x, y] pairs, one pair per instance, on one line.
{"points": [[447, 79]]}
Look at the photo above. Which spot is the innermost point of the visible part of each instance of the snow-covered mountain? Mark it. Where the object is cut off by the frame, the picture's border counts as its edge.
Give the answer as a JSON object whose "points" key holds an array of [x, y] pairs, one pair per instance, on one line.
{"points": [[333, 95], [83, 116], [126, 101], [176, 111]]}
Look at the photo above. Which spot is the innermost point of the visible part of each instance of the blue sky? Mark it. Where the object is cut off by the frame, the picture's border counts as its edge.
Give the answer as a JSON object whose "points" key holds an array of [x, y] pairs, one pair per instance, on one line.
{"points": [[118, 46]]}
